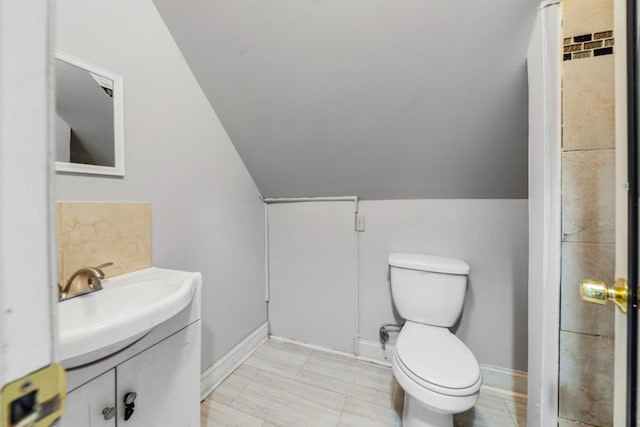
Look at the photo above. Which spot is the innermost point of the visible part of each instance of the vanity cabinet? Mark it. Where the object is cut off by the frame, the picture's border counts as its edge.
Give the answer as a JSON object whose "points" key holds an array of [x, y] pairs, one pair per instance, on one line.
{"points": [[86, 403], [165, 379]]}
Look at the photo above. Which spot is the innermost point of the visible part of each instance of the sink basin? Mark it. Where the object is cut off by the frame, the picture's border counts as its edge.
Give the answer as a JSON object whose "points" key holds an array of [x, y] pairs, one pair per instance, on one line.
{"points": [[95, 325]]}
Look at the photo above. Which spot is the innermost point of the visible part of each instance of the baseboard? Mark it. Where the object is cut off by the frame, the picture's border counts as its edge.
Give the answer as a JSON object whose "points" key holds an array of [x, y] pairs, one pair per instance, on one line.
{"points": [[504, 380], [330, 350], [312, 346], [372, 351], [494, 378], [223, 367]]}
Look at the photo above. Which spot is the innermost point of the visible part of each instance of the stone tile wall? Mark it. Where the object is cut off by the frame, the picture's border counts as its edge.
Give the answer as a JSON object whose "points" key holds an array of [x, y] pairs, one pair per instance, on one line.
{"points": [[94, 233], [588, 215]]}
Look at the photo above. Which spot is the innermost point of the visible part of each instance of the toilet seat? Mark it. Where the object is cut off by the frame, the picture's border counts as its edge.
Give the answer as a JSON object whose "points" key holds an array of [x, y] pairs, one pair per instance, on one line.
{"points": [[437, 360]]}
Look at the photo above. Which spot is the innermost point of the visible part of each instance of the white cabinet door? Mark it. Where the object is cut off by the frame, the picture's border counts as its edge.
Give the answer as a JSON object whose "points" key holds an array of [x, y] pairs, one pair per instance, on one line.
{"points": [[86, 403], [312, 273], [166, 380]]}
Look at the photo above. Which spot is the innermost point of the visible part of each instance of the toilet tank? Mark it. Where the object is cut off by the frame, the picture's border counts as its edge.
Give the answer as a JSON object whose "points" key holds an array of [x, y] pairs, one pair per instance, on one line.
{"points": [[428, 289]]}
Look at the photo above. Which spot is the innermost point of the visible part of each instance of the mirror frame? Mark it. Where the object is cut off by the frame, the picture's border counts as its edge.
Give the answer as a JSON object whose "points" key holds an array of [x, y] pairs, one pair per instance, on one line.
{"points": [[118, 122]]}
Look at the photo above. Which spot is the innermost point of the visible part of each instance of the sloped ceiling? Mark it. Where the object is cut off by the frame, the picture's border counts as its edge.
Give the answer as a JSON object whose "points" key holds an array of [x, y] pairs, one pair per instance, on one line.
{"points": [[382, 99]]}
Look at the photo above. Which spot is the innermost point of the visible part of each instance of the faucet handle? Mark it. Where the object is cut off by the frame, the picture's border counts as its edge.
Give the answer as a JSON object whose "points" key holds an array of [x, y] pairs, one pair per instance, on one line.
{"points": [[94, 282], [101, 266]]}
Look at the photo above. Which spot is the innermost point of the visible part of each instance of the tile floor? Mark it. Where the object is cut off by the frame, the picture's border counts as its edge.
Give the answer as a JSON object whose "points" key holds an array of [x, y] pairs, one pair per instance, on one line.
{"points": [[284, 384]]}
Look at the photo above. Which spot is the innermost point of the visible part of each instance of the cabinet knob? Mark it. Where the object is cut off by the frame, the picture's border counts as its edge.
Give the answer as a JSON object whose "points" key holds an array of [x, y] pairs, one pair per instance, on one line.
{"points": [[109, 413], [130, 397], [129, 405]]}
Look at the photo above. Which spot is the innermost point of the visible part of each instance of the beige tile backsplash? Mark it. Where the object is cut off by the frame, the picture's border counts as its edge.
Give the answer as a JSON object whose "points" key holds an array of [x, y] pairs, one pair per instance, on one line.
{"points": [[586, 16], [588, 197], [586, 378], [588, 83], [93, 233], [581, 261]]}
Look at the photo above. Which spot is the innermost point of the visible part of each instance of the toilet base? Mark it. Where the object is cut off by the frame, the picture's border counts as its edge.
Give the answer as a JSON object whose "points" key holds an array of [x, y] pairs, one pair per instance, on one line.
{"points": [[415, 414]]}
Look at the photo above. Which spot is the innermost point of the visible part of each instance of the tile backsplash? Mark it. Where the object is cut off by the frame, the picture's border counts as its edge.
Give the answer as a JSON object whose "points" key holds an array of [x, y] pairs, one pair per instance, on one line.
{"points": [[94, 233], [588, 45]]}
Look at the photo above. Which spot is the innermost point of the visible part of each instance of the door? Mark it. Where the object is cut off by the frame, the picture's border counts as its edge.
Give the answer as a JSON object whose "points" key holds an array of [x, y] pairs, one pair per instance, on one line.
{"points": [[313, 272], [27, 280], [93, 404], [626, 251], [165, 379]]}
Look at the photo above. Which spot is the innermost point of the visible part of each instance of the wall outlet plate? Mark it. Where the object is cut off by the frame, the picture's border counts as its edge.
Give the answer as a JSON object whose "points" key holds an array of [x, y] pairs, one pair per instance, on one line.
{"points": [[359, 222]]}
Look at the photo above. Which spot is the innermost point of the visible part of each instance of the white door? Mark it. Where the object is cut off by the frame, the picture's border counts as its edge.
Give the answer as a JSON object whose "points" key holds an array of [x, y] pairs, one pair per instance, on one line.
{"points": [[165, 380], [93, 404], [313, 273], [28, 291]]}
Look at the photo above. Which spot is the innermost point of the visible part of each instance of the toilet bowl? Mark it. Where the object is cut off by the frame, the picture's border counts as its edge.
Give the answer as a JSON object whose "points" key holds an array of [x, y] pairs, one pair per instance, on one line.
{"points": [[439, 374]]}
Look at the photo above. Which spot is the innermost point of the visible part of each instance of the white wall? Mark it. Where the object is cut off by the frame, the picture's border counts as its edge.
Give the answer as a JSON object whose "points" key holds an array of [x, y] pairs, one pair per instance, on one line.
{"points": [[544, 218], [403, 99], [491, 235], [207, 214]]}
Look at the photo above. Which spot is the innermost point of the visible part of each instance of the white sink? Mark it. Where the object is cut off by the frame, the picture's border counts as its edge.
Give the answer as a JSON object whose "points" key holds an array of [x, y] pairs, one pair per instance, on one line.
{"points": [[95, 325]]}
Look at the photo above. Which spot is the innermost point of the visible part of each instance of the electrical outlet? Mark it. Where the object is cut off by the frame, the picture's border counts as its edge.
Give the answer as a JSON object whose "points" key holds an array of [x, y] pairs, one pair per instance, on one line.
{"points": [[359, 222]]}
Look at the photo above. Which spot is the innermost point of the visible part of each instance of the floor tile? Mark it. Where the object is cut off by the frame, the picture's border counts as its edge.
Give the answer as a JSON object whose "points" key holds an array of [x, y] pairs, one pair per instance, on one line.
{"points": [[288, 402], [215, 414], [358, 413], [518, 410], [234, 384], [475, 419], [568, 423], [491, 410], [366, 381], [279, 357], [286, 385]]}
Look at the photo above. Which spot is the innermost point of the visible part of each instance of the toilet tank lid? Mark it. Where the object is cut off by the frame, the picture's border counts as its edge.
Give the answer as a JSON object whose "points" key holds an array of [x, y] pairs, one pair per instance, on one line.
{"points": [[435, 264]]}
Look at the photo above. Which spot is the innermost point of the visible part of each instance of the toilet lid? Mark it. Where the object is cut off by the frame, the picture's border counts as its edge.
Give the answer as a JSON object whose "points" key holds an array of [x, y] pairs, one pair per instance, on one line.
{"points": [[434, 264], [436, 356]]}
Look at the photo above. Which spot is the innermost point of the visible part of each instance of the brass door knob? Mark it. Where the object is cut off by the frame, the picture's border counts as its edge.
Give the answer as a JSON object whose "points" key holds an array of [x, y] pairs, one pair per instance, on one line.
{"points": [[596, 291]]}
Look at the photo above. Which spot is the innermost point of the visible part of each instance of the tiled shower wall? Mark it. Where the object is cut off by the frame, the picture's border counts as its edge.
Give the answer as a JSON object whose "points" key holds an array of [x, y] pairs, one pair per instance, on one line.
{"points": [[588, 215]]}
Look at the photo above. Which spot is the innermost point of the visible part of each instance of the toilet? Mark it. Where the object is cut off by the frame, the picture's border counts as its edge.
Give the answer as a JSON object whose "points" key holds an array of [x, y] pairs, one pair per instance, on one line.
{"points": [[438, 373]]}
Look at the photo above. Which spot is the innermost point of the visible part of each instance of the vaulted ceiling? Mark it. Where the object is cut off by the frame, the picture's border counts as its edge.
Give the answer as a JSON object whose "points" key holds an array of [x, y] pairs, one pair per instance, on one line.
{"points": [[382, 99]]}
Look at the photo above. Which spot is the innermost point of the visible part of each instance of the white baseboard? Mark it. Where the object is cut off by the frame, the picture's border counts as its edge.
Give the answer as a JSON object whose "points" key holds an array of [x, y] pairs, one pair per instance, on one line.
{"points": [[503, 380], [312, 346], [330, 350], [494, 378], [372, 351], [223, 367]]}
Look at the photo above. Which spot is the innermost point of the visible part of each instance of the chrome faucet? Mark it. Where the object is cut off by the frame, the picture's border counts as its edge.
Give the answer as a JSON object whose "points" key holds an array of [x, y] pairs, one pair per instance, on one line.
{"points": [[83, 281]]}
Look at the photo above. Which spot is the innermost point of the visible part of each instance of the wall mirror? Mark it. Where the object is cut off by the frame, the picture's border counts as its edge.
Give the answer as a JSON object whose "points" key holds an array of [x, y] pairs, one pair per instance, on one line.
{"points": [[89, 131]]}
